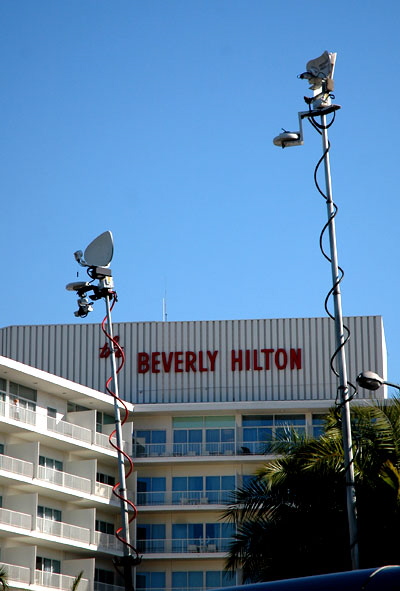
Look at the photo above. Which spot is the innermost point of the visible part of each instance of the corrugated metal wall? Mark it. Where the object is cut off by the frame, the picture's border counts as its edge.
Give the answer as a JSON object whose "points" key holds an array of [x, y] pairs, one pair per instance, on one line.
{"points": [[73, 351]]}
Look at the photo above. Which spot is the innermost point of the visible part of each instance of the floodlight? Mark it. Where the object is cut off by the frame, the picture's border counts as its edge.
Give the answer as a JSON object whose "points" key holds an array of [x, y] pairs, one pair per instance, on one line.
{"points": [[319, 69]]}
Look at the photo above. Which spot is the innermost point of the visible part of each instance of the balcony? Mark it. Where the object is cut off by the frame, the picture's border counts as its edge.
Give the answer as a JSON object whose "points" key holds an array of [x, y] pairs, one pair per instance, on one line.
{"points": [[63, 530], [16, 466], [17, 574], [185, 449], [184, 546], [107, 542], [64, 479], [50, 425], [58, 581], [208, 497], [15, 519]]}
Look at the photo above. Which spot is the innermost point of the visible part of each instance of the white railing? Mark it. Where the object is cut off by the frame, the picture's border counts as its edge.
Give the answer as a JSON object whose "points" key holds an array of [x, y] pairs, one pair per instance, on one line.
{"points": [[105, 587], [16, 466], [103, 490], [69, 430], [102, 440], [147, 450], [58, 581], [107, 542], [64, 479], [184, 545], [63, 530], [15, 519], [21, 574], [205, 497]]}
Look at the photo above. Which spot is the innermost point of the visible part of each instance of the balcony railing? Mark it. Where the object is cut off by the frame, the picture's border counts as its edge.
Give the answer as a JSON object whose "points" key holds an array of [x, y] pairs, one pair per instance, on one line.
{"points": [[185, 449], [183, 546], [16, 466], [63, 530], [15, 519], [46, 423], [64, 479], [207, 497], [58, 581], [69, 430], [19, 574], [107, 542]]}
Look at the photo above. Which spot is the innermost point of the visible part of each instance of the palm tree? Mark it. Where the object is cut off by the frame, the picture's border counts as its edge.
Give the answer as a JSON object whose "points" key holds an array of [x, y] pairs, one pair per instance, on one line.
{"points": [[76, 581], [291, 519], [4, 578]]}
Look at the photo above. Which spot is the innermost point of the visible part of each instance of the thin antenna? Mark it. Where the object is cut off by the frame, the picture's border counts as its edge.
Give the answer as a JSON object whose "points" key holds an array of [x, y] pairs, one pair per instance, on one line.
{"points": [[164, 307]]}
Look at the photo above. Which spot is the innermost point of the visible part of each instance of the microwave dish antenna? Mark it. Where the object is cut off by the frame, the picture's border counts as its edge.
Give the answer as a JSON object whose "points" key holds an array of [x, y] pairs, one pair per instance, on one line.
{"points": [[98, 253]]}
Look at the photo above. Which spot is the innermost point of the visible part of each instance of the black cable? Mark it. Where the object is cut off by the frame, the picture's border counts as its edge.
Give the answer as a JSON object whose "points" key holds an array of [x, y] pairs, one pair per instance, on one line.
{"points": [[338, 402]]}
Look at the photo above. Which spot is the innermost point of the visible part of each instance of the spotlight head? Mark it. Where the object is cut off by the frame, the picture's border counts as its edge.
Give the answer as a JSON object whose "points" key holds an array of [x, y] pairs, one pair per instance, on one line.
{"points": [[288, 138], [77, 285], [319, 70], [369, 380]]}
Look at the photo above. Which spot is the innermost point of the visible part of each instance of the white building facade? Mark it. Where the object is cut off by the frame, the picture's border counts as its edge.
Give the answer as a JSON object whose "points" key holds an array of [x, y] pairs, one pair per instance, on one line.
{"points": [[208, 397], [57, 468]]}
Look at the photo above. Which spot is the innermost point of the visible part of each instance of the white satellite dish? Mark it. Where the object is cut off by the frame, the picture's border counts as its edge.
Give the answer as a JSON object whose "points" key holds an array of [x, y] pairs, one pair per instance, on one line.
{"points": [[100, 251]]}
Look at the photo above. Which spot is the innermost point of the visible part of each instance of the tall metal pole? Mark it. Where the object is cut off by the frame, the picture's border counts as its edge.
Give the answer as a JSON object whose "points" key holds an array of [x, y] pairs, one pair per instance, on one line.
{"points": [[127, 563], [341, 360]]}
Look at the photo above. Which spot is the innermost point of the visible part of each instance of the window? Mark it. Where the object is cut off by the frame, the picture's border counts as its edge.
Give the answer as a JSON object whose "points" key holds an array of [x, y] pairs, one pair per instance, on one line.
{"points": [[182, 580], [257, 432], [218, 536], [260, 430], [202, 489], [104, 576], [20, 391], [50, 463], [72, 407], [149, 443], [150, 581], [204, 435], [105, 527], [187, 537], [151, 491], [286, 423], [198, 580], [1, 448], [103, 419], [318, 422], [49, 513], [219, 488], [151, 537], [105, 478], [48, 565]]}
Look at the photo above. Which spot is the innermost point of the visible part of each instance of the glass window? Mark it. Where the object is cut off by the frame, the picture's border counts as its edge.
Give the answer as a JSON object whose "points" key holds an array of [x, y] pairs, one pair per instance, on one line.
{"points": [[149, 443], [49, 513], [184, 580], [257, 420], [219, 488], [49, 565], [1, 448], [151, 537], [318, 422], [104, 576], [219, 578], [105, 527], [23, 391], [50, 463], [151, 490], [186, 537], [150, 581], [105, 478], [3, 385]]}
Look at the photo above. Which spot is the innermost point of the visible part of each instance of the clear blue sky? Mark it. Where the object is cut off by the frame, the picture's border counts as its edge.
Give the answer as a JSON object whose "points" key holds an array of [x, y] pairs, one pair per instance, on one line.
{"points": [[155, 119]]}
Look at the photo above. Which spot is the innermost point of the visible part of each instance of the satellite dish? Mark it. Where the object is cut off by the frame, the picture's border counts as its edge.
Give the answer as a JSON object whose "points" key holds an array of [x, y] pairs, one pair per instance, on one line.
{"points": [[100, 251]]}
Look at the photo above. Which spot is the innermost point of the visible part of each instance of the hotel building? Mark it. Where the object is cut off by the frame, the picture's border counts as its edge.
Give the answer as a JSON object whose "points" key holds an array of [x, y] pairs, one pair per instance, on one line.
{"points": [[57, 511], [207, 396]]}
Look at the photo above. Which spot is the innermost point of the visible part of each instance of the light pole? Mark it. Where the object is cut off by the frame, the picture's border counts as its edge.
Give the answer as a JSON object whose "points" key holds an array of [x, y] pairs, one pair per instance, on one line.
{"points": [[320, 74], [96, 259]]}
